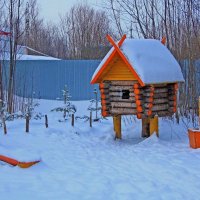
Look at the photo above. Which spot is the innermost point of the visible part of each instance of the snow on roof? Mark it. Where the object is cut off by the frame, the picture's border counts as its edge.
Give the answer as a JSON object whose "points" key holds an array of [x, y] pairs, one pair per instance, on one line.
{"points": [[6, 56], [152, 61], [32, 57]]}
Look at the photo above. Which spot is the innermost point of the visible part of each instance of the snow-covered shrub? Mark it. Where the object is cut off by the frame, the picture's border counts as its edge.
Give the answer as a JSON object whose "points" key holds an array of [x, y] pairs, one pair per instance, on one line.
{"points": [[67, 108], [94, 106], [30, 110]]}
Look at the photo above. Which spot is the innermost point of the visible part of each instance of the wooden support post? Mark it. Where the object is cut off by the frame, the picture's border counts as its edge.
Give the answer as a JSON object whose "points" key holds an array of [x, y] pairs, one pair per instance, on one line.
{"points": [[117, 126], [27, 123], [199, 112], [73, 120], [154, 125], [145, 127], [46, 121], [90, 118], [149, 126]]}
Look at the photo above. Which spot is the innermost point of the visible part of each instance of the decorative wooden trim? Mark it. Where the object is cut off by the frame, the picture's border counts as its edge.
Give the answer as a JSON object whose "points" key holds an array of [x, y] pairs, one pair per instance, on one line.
{"points": [[125, 60], [107, 61]]}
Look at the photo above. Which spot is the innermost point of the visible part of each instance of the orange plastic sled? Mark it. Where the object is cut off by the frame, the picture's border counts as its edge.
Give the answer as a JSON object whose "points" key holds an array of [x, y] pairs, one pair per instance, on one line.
{"points": [[14, 162]]}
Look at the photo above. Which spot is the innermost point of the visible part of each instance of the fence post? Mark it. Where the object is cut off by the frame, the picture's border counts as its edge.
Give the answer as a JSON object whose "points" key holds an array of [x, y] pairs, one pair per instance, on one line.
{"points": [[90, 118], [4, 125], [27, 123], [73, 120], [46, 121]]}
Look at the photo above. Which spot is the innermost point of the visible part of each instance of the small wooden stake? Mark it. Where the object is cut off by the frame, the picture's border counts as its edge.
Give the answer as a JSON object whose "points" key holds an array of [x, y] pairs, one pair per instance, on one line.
{"points": [[90, 118], [27, 123], [73, 120], [46, 121], [4, 126], [117, 126]]}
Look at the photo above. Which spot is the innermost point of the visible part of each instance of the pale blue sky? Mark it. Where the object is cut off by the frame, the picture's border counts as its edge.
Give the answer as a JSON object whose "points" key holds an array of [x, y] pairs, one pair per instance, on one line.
{"points": [[50, 9]]}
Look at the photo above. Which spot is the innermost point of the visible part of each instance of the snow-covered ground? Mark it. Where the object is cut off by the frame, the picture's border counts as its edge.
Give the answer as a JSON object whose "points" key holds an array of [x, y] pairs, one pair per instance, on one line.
{"points": [[87, 163]]}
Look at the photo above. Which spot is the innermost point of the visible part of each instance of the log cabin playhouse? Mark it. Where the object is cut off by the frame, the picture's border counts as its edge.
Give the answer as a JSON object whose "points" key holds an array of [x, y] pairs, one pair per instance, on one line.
{"points": [[138, 77]]}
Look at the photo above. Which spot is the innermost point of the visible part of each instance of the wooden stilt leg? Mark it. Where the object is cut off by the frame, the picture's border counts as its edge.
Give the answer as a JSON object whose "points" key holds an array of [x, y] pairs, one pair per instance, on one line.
{"points": [[145, 127], [154, 126], [117, 126], [149, 126]]}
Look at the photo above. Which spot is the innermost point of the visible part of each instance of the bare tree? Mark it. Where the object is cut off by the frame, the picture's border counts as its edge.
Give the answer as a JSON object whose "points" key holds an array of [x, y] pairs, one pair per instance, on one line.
{"points": [[85, 29], [178, 21]]}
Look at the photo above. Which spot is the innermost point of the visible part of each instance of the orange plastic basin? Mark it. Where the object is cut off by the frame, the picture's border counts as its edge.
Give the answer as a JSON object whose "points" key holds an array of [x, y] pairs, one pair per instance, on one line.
{"points": [[194, 138]]}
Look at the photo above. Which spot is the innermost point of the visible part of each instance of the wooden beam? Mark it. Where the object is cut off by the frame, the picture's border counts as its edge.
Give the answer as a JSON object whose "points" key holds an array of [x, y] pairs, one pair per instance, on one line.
{"points": [[123, 111], [117, 126], [154, 125], [145, 127], [123, 105]]}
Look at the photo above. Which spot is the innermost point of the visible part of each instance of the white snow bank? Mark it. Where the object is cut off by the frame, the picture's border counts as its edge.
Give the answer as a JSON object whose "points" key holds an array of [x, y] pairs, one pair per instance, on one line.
{"points": [[87, 163]]}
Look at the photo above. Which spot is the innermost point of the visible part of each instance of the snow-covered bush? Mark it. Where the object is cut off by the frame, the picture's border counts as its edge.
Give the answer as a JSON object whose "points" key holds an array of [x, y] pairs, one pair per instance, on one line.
{"points": [[67, 108], [30, 110], [94, 106]]}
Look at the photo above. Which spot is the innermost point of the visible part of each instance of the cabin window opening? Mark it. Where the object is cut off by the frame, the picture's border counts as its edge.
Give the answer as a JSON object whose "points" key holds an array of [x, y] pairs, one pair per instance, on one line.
{"points": [[125, 94]]}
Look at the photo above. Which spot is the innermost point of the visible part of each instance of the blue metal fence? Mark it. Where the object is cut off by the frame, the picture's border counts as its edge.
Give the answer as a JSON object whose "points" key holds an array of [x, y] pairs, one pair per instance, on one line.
{"points": [[46, 79]]}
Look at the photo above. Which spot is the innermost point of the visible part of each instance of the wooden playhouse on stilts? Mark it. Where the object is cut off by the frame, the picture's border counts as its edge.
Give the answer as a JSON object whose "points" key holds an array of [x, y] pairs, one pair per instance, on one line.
{"points": [[138, 77]]}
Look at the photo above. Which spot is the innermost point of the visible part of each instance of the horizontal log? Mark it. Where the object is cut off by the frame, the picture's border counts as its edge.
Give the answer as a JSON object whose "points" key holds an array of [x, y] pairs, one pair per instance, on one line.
{"points": [[159, 107], [170, 109], [148, 94], [148, 105], [123, 105], [161, 95], [131, 99], [161, 85], [148, 89], [120, 87], [156, 101], [147, 99], [119, 99], [161, 90], [162, 113], [119, 94], [123, 111], [118, 90]]}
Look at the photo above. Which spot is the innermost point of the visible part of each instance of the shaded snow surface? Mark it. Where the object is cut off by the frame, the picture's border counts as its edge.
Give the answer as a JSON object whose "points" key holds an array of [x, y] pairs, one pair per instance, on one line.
{"points": [[87, 163]]}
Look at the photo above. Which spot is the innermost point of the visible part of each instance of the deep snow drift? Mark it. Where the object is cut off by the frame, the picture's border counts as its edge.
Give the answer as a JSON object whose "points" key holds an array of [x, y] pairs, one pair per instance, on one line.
{"points": [[87, 163]]}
